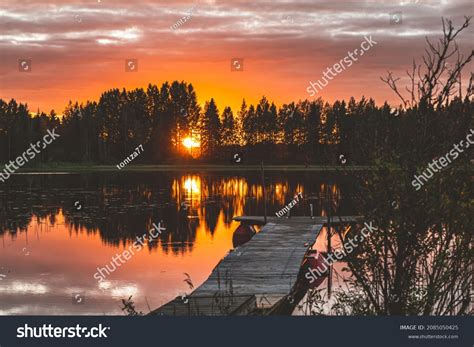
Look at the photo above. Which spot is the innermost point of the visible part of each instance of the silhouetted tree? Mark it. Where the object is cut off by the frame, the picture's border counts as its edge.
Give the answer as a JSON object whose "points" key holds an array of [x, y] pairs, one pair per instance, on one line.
{"points": [[228, 131], [210, 127]]}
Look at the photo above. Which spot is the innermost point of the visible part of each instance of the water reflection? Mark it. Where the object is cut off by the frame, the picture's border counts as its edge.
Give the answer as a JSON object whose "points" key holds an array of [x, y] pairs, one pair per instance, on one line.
{"points": [[120, 211], [51, 249]]}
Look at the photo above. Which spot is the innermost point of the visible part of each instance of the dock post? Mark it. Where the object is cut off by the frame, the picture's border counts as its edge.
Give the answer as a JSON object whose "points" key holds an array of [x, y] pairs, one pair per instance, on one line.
{"points": [[329, 250], [264, 194], [311, 209]]}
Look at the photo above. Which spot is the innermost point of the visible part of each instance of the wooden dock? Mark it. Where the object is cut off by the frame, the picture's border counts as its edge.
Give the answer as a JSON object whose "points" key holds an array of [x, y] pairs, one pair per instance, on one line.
{"points": [[257, 276], [260, 220]]}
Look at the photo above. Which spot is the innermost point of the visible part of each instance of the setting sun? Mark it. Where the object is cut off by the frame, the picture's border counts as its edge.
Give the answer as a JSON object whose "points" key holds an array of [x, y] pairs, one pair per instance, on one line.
{"points": [[189, 142]]}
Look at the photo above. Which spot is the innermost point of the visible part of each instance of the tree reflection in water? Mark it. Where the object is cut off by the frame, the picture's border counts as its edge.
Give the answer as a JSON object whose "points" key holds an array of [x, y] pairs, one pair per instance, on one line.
{"points": [[121, 207]]}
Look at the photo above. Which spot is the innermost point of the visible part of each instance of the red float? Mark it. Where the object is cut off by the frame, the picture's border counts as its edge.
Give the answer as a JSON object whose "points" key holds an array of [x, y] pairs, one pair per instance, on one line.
{"points": [[315, 260], [243, 234]]}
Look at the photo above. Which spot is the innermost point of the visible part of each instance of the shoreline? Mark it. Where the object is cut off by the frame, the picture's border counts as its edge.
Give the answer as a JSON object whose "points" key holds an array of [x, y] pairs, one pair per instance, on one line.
{"points": [[65, 169]]}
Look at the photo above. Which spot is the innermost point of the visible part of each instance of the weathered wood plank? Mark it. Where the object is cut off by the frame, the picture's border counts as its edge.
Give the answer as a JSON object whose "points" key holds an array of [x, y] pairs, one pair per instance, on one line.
{"points": [[259, 220], [265, 267], [209, 306]]}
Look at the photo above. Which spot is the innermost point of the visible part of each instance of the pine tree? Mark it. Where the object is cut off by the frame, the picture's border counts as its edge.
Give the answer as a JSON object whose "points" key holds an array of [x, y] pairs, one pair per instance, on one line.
{"points": [[210, 129], [228, 131]]}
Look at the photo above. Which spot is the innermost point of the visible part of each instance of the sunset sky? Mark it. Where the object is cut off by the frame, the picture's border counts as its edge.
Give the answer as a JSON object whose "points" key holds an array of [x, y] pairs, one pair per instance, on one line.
{"points": [[78, 49]]}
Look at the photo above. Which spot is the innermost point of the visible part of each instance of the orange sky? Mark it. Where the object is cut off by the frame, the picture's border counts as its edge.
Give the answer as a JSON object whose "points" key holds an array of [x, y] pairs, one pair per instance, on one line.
{"points": [[79, 49]]}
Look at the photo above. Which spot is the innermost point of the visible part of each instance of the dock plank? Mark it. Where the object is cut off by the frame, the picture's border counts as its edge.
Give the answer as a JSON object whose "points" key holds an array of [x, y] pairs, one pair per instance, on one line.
{"points": [[265, 267], [260, 220]]}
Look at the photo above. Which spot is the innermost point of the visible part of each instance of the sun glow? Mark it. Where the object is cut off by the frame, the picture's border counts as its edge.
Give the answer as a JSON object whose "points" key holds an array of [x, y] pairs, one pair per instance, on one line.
{"points": [[189, 143], [192, 184]]}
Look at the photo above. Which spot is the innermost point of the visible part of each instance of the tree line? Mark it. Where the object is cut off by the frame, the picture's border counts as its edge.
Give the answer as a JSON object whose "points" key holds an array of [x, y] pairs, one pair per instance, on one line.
{"points": [[159, 118]]}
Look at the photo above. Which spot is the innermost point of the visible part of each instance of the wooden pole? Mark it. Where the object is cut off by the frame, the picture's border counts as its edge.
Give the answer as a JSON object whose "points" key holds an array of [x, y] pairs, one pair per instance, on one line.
{"points": [[264, 194], [328, 210]]}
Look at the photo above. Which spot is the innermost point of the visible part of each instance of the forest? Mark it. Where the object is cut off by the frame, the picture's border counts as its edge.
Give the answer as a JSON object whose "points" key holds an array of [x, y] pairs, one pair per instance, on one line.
{"points": [[162, 118]]}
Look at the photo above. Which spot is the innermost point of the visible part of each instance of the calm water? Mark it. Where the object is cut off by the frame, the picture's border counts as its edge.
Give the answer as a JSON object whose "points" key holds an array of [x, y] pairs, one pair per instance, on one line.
{"points": [[56, 230]]}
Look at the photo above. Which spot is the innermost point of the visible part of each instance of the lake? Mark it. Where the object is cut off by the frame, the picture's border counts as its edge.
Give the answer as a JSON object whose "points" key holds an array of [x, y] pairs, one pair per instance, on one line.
{"points": [[58, 229]]}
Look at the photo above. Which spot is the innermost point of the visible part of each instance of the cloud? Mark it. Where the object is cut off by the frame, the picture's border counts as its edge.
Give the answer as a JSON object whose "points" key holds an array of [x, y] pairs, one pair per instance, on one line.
{"points": [[71, 43]]}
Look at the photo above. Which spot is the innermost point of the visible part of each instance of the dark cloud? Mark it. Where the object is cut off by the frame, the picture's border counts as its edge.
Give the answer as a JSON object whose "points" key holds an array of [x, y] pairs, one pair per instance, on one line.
{"points": [[74, 43]]}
